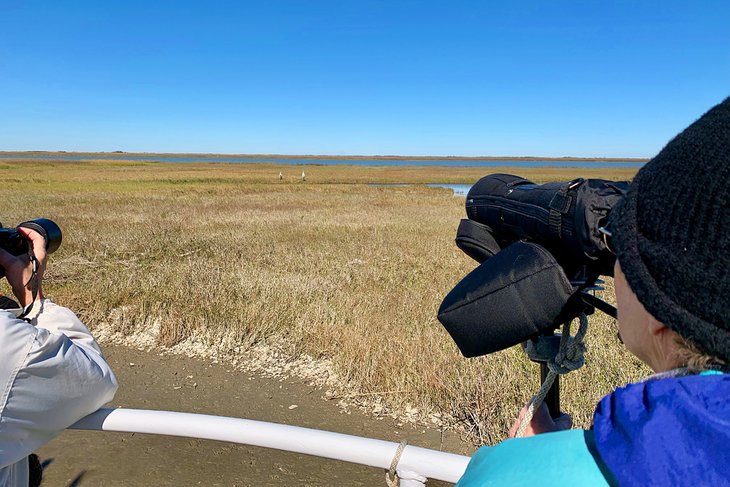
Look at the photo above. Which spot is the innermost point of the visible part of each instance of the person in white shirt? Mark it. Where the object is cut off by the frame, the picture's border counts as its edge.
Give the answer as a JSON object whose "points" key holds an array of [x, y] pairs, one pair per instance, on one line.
{"points": [[52, 372]]}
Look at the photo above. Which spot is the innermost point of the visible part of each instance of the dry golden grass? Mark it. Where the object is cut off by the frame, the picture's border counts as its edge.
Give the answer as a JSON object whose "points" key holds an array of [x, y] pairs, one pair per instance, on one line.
{"points": [[330, 267]]}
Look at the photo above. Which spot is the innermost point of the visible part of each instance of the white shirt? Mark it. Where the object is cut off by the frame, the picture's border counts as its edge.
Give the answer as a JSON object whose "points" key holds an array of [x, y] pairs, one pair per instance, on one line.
{"points": [[52, 374]]}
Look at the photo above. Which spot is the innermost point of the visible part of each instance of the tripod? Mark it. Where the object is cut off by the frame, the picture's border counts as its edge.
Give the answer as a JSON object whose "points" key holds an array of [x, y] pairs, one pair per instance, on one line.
{"points": [[560, 353]]}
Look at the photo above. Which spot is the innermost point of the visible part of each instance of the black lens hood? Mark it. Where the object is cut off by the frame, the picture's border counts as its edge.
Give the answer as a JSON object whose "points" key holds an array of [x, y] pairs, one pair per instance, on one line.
{"points": [[48, 229]]}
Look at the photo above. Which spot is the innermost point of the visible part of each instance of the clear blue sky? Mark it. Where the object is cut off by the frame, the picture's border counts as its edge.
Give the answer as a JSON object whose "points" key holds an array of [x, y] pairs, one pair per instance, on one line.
{"points": [[545, 78]]}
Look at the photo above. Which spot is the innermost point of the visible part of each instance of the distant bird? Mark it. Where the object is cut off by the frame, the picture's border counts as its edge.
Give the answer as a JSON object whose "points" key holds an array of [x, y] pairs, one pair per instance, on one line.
{"points": [[281, 176], [304, 176]]}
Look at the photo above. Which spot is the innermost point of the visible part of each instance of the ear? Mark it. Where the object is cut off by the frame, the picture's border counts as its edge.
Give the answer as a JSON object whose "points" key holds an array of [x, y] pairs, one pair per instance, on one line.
{"points": [[665, 345], [661, 333], [656, 327]]}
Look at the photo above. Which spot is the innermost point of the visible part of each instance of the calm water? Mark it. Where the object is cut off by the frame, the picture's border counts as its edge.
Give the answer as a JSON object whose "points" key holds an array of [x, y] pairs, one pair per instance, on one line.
{"points": [[330, 162], [459, 189]]}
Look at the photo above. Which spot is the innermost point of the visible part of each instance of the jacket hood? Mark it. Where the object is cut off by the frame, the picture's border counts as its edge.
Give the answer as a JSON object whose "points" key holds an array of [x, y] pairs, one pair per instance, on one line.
{"points": [[672, 431]]}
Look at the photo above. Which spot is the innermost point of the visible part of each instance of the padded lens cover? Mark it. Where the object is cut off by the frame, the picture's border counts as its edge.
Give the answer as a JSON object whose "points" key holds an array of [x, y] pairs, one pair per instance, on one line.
{"points": [[511, 297], [476, 240]]}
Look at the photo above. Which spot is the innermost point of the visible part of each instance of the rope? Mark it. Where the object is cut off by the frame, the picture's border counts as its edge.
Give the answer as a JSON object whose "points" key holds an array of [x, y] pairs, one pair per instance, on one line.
{"points": [[570, 356], [391, 478]]}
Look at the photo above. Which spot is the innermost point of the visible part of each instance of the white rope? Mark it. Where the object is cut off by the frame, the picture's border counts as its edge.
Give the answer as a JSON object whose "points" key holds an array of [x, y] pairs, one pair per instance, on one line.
{"points": [[391, 478], [570, 356]]}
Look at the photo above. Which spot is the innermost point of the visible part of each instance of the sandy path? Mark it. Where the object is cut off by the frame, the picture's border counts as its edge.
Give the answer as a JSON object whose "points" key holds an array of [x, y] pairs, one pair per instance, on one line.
{"points": [[174, 382]]}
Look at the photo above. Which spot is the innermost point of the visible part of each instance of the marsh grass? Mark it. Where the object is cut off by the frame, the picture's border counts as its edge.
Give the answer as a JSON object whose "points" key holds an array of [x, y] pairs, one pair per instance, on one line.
{"points": [[233, 257]]}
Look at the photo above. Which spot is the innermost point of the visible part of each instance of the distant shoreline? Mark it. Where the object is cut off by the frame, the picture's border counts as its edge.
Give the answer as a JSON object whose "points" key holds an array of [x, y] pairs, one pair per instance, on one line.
{"points": [[122, 155]]}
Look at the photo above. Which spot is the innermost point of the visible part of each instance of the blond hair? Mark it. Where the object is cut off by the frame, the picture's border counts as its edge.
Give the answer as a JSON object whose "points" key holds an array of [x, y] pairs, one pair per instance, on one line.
{"points": [[692, 356]]}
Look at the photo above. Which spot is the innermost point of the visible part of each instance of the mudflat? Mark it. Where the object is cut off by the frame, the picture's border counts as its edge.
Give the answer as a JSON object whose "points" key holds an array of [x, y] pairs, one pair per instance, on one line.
{"points": [[151, 380]]}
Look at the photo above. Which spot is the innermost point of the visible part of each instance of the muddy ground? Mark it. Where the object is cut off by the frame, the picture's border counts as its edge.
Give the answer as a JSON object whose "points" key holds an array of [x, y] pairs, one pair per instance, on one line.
{"points": [[149, 380]]}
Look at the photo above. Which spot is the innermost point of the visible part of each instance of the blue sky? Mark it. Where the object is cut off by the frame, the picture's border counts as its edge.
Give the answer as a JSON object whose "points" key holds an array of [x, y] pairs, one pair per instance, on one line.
{"points": [[542, 78]]}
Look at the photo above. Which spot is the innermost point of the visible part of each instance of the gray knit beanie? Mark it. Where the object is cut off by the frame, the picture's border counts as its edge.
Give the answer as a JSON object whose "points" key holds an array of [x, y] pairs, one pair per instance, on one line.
{"points": [[671, 233]]}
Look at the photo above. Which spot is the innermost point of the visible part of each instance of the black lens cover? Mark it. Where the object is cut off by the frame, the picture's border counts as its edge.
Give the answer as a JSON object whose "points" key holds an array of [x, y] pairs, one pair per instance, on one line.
{"points": [[516, 294]]}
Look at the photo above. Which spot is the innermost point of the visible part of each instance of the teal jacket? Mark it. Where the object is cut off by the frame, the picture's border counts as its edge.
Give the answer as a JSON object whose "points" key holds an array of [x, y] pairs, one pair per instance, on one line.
{"points": [[559, 459], [672, 429]]}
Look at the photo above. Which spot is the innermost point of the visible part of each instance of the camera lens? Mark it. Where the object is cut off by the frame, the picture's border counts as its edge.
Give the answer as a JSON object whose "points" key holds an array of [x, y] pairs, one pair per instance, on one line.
{"points": [[48, 229]]}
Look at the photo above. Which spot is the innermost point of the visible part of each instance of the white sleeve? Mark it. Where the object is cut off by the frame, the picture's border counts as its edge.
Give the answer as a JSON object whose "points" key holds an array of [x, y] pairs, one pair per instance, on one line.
{"points": [[52, 375]]}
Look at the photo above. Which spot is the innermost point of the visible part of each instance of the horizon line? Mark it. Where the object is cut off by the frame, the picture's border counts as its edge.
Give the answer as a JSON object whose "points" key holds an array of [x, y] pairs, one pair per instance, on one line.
{"points": [[325, 156]]}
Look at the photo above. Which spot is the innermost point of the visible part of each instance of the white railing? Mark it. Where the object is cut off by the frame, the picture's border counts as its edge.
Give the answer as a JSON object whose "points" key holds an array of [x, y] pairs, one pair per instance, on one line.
{"points": [[415, 466]]}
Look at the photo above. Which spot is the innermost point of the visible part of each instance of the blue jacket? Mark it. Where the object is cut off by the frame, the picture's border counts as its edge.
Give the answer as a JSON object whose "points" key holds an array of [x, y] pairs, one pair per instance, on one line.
{"points": [[665, 431]]}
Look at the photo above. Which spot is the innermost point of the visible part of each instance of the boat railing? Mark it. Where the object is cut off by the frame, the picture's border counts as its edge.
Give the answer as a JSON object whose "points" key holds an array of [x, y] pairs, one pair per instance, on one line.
{"points": [[413, 465]]}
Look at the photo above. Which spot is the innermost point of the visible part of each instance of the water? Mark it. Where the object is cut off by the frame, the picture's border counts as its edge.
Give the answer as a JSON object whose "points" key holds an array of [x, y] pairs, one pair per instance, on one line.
{"points": [[329, 162], [459, 190]]}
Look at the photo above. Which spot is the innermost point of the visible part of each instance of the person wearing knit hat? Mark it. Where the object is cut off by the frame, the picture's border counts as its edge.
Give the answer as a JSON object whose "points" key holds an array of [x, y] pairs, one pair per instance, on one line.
{"points": [[671, 237], [672, 234]]}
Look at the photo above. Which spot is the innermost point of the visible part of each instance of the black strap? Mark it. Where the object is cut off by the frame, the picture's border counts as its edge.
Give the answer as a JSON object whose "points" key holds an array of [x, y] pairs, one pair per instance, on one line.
{"points": [[34, 286], [560, 205]]}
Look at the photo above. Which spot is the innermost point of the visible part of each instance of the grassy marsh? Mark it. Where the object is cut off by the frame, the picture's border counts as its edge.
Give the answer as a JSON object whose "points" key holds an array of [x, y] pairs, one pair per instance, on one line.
{"points": [[330, 267]]}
